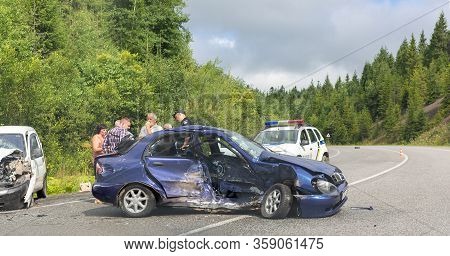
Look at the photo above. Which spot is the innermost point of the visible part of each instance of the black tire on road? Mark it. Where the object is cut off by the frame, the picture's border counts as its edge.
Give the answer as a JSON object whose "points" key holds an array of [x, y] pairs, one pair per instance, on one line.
{"points": [[43, 192], [325, 159], [137, 201], [277, 202]]}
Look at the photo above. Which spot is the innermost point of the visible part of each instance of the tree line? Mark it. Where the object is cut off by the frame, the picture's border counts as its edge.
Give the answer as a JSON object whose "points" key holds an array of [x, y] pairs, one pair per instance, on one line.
{"points": [[67, 65]]}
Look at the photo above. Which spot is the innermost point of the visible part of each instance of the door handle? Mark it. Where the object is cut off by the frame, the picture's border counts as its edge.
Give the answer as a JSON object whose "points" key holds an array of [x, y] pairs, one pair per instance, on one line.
{"points": [[158, 164]]}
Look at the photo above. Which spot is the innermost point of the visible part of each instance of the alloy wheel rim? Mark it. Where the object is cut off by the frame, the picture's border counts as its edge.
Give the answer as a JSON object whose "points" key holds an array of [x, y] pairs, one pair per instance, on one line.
{"points": [[273, 201], [135, 200]]}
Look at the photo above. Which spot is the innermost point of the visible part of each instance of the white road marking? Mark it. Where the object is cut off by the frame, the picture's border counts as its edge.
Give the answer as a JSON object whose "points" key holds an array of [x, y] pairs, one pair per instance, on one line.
{"points": [[215, 225], [49, 205], [383, 172]]}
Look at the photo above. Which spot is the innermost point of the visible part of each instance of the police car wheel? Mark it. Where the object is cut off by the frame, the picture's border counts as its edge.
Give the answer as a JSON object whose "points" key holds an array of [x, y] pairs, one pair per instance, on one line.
{"points": [[325, 159]]}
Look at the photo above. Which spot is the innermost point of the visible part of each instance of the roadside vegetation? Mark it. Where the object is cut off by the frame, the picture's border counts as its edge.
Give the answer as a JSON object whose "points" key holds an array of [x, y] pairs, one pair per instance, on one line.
{"points": [[67, 65]]}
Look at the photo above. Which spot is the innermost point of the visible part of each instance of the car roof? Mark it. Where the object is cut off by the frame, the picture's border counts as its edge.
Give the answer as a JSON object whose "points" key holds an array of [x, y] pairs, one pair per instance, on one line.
{"points": [[192, 128], [16, 129], [287, 128]]}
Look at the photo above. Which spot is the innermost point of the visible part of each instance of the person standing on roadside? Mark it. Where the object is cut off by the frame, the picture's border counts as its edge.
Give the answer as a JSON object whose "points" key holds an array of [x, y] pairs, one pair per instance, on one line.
{"points": [[150, 126], [97, 140], [116, 135], [180, 116]]}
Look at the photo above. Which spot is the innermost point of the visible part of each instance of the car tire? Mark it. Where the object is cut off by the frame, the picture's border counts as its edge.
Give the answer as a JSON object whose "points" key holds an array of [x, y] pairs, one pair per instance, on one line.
{"points": [[325, 159], [43, 192], [277, 202], [137, 201]]}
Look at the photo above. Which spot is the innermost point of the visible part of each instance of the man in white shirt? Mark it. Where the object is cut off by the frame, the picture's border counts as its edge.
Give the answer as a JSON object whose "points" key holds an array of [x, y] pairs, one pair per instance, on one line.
{"points": [[150, 126]]}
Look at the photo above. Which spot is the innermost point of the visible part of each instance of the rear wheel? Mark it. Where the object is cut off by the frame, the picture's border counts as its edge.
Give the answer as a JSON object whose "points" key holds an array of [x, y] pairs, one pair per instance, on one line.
{"points": [[137, 201], [277, 202]]}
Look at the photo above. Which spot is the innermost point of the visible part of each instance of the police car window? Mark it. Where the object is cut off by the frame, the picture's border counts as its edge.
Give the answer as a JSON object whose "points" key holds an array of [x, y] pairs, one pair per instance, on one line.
{"points": [[319, 136], [303, 136], [312, 136]]}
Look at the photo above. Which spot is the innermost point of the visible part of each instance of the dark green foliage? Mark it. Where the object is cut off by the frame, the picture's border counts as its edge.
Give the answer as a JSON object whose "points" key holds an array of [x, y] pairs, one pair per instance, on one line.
{"points": [[67, 65]]}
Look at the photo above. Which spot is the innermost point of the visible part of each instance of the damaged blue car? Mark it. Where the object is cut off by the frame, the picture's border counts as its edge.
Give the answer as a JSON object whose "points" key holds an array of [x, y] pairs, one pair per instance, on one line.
{"points": [[212, 168]]}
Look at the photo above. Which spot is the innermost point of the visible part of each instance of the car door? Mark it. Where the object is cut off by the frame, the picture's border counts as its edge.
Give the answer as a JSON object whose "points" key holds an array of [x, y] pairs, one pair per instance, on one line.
{"points": [[314, 144], [305, 144], [37, 160], [177, 169]]}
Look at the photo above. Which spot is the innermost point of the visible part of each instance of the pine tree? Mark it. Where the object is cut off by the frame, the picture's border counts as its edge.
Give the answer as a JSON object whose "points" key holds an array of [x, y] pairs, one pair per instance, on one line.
{"points": [[439, 41]]}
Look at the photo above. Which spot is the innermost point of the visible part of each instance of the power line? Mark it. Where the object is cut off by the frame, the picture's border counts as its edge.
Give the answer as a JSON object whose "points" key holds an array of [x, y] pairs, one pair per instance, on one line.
{"points": [[364, 46]]}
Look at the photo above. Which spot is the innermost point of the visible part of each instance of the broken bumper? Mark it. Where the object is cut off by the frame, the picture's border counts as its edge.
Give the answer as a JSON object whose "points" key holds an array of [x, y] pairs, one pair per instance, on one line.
{"points": [[13, 198], [318, 206]]}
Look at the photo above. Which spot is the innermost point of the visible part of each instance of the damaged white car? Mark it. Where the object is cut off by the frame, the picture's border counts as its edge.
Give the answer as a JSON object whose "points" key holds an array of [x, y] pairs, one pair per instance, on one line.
{"points": [[22, 167]]}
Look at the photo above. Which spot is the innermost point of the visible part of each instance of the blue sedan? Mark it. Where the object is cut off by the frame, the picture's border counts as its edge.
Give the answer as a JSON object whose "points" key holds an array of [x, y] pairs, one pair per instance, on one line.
{"points": [[212, 168]]}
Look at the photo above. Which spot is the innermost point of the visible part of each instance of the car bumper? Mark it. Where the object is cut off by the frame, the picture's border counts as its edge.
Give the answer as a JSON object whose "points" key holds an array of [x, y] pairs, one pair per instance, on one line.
{"points": [[318, 206], [13, 198], [106, 193]]}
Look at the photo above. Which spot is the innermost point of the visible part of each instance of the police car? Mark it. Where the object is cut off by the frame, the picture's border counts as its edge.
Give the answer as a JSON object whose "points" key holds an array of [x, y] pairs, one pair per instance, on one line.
{"points": [[294, 138]]}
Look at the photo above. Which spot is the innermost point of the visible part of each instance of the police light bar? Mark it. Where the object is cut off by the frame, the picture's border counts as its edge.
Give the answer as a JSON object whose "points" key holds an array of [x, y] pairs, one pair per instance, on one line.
{"points": [[284, 123]]}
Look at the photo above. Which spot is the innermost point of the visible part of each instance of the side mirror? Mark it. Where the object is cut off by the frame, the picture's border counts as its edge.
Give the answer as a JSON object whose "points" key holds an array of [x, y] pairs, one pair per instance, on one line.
{"points": [[304, 142]]}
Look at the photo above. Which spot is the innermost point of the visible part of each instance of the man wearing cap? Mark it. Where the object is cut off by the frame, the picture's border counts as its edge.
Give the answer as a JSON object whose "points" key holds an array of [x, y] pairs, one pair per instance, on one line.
{"points": [[180, 116]]}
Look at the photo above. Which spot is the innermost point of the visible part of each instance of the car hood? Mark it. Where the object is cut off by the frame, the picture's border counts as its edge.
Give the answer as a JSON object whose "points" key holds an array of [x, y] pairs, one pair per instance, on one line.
{"points": [[4, 152], [286, 149], [311, 165]]}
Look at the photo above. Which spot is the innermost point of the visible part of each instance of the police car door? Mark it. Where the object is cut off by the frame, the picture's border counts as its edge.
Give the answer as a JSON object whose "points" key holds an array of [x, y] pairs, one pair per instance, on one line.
{"points": [[305, 146], [314, 144]]}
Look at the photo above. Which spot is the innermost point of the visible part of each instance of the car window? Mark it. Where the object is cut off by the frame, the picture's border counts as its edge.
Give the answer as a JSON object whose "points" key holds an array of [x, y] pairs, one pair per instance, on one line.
{"points": [[277, 137], [303, 136], [12, 141], [169, 145], [312, 136], [211, 146], [36, 151], [319, 136]]}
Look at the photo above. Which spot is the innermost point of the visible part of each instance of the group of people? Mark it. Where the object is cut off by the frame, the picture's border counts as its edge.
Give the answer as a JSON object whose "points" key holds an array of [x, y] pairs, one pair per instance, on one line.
{"points": [[106, 142]]}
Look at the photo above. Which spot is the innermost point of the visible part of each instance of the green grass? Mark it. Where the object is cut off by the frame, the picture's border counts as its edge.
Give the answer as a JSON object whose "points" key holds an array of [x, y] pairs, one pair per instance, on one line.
{"points": [[66, 184]]}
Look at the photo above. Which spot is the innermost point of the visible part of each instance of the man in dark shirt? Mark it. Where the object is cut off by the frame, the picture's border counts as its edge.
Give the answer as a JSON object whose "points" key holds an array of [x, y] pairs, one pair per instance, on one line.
{"points": [[180, 116]]}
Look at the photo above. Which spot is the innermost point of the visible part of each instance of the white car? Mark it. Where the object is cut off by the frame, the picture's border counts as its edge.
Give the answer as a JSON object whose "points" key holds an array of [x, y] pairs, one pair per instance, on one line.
{"points": [[22, 167], [294, 138]]}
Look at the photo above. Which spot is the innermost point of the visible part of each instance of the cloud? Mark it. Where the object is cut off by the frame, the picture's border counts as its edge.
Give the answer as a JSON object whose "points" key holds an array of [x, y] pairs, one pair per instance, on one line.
{"points": [[222, 42], [289, 39]]}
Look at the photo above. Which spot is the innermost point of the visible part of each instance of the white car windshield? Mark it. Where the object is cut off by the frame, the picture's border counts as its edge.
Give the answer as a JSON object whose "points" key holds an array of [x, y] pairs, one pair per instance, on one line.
{"points": [[12, 141], [247, 145], [277, 137]]}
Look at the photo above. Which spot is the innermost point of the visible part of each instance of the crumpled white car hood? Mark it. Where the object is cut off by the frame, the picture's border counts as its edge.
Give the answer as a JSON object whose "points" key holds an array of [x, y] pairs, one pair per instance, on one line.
{"points": [[4, 152]]}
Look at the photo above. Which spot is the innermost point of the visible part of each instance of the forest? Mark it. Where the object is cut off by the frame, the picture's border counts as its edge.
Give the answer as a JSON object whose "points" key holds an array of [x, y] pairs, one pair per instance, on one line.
{"points": [[68, 65]]}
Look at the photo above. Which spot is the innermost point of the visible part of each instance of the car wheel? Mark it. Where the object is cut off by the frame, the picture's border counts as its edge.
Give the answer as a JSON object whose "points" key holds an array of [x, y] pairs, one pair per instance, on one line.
{"points": [[325, 159], [43, 192], [137, 201], [277, 202]]}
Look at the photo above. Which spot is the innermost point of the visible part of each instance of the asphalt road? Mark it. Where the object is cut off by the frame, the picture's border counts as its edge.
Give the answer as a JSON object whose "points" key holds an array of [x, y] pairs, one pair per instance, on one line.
{"points": [[409, 194]]}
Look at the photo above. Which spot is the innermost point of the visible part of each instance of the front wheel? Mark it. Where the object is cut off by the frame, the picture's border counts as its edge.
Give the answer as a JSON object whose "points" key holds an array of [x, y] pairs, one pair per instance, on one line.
{"points": [[277, 202], [137, 201], [325, 159], [43, 192]]}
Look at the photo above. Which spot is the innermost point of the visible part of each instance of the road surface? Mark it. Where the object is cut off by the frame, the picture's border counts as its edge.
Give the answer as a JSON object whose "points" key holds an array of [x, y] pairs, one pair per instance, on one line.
{"points": [[390, 194]]}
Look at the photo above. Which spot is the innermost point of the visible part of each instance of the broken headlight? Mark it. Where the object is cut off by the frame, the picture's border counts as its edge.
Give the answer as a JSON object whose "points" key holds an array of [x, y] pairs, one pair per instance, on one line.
{"points": [[325, 187]]}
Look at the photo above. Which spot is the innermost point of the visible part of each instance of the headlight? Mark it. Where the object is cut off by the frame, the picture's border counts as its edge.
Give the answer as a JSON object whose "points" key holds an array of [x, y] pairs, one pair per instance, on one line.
{"points": [[326, 187]]}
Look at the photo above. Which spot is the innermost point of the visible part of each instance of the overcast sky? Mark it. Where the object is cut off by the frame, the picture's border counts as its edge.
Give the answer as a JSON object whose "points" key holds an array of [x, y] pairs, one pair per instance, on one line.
{"points": [[278, 42]]}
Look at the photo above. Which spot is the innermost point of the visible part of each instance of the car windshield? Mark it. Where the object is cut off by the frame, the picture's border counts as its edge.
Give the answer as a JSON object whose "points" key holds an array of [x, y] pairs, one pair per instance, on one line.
{"points": [[247, 145], [12, 141], [277, 137]]}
